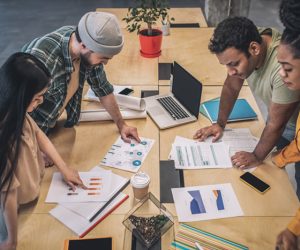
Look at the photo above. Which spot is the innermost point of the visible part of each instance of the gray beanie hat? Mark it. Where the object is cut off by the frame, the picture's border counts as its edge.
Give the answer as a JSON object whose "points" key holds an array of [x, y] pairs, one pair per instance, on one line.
{"points": [[100, 32]]}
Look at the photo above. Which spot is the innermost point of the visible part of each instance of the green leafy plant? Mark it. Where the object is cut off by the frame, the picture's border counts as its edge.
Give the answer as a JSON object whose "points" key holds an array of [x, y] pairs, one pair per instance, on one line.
{"points": [[147, 11]]}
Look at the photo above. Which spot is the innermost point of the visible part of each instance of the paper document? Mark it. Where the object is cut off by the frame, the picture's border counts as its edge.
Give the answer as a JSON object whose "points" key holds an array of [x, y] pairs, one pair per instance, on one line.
{"points": [[127, 156], [77, 215], [97, 183], [190, 154], [102, 115], [130, 107], [80, 225], [125, 101], [206, 202], [89, 209], [238, 139]]}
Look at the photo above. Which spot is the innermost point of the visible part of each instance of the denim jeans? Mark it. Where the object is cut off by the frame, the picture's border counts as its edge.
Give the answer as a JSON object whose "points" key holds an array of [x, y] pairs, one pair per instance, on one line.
{"points": [[287, 136]]}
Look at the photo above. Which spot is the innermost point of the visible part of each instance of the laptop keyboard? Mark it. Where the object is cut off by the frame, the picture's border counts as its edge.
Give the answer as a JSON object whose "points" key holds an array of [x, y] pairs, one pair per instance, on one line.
{"points": [[172, 108]]}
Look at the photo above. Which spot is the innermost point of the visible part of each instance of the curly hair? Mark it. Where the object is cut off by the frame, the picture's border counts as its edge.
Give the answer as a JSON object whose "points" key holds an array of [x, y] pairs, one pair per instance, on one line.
{"points": [[237, 32], [289, 13]]}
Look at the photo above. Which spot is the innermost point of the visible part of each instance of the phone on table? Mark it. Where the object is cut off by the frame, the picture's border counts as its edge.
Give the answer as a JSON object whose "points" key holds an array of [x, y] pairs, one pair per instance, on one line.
{"points": [[254, 182], [126, 91]]}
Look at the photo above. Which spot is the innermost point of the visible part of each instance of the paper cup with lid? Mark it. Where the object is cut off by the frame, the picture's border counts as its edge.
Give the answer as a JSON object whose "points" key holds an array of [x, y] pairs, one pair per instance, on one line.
{"points": [[140, 184]]}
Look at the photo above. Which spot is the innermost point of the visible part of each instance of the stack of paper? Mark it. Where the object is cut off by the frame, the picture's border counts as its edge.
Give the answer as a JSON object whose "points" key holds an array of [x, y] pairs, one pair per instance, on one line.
{"points": [[82, 210], [238, 139], [190, 154], [130, 107]]}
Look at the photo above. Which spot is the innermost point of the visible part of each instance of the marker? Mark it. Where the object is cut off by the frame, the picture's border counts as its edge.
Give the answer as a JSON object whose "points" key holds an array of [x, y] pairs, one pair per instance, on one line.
{"points": [[93, 193], [72, 193], [198, 246]]}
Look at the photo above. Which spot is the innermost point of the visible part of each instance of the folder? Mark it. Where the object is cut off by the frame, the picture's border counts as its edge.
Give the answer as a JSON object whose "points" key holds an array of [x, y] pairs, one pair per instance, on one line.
{"points": [[188, 235], [90, 244], [170, 177], [241, 111]]}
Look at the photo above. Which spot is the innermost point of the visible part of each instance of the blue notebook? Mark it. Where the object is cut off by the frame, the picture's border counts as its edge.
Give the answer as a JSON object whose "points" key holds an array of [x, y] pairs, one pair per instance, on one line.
{"points": [[241, 111]]}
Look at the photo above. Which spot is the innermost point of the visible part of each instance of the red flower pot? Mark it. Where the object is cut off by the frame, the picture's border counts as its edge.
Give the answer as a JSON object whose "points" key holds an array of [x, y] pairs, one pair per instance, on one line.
{"points": [[150, 45]]}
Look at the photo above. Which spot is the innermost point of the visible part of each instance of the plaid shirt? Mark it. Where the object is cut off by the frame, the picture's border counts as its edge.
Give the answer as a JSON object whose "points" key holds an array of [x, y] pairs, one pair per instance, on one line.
{"points": [[53, 50]]}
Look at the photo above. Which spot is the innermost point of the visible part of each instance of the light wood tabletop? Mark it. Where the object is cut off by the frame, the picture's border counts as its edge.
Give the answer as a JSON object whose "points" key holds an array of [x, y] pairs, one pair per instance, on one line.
{"points": [[84, 146], [189, 47]]}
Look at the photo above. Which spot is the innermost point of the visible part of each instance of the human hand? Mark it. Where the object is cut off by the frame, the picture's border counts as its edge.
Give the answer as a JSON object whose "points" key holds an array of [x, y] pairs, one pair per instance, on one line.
{"points": [[127, 133], [286, 240], [244, 160], [214, 130], [7, 245], [72, 178]]}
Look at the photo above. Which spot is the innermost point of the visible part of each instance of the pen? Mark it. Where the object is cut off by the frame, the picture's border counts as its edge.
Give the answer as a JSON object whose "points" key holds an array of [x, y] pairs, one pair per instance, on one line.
{"points": [[198, 246]]}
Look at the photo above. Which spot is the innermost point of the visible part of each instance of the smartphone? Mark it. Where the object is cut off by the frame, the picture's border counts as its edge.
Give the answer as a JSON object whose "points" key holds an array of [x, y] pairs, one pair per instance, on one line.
{"points": [[126, 91], [255, 182]]}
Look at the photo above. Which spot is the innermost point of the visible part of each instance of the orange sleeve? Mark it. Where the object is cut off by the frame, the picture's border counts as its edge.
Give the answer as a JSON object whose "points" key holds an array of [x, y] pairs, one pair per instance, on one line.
{"points": [[294, 225], [289, 154]]}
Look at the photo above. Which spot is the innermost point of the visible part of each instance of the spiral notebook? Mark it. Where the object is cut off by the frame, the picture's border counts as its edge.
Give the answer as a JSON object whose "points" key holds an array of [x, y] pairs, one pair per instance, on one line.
{"points": [[241, 111]]}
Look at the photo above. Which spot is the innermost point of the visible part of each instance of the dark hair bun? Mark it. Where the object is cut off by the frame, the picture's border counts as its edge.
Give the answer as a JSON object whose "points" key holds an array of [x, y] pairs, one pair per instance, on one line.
{"points": [[290, 14]]}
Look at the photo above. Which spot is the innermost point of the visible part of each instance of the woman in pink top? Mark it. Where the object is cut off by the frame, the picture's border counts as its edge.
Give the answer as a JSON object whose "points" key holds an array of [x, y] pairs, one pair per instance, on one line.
{"points": [[23, 82]]}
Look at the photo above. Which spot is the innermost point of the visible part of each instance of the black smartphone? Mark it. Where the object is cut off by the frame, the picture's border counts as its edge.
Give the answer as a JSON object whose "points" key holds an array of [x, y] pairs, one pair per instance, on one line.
{"points": [[254, 182], [126, 91], [91, 244]]}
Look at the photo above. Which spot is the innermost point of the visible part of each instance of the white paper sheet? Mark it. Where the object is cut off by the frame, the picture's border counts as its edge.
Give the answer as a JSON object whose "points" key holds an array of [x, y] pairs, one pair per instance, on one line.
{"points": [[238, 139], [88, 209], [125, 101], [102, 115], [98, 184], [206, 202], [200, 155], [79, 224], [127, 156]]}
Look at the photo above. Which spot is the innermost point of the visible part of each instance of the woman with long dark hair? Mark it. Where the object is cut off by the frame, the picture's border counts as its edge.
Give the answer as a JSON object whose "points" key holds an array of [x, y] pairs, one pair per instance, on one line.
{"points": [[23, 81], [289, 58]]}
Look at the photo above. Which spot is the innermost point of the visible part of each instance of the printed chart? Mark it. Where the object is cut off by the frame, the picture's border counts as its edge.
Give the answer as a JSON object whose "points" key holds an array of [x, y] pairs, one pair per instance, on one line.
{"points": [[97, 183], [127, 156], [206, 202]]}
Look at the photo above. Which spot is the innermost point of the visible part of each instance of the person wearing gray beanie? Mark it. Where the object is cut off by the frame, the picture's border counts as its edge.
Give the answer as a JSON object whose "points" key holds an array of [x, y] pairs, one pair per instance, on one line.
{"points": [[75, 54]]}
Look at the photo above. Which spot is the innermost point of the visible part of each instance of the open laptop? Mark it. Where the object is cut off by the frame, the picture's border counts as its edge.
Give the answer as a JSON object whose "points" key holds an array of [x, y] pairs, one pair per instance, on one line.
{"points": [[179, 107]]}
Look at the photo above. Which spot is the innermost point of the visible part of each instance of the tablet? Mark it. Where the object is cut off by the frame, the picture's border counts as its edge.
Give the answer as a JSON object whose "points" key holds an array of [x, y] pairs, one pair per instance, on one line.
{"points": [[90, 244]]}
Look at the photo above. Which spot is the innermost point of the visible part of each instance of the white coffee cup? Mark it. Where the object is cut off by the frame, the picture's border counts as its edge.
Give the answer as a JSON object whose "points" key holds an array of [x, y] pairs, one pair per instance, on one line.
{"points": [[140, 184]]}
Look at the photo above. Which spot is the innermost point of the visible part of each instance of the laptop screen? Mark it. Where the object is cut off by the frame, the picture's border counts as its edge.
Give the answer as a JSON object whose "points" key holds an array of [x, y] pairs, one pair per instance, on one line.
{"points": [[187, 89]]}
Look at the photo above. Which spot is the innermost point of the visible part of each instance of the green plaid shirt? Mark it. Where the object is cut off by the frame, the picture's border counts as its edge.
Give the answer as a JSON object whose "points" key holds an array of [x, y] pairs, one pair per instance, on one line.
{"points": [[53, 50]]}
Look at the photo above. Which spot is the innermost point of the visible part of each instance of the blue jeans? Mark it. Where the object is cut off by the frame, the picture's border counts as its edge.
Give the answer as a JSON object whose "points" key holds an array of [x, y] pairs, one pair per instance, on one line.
{"points": [[287, 136], [3, 231]]}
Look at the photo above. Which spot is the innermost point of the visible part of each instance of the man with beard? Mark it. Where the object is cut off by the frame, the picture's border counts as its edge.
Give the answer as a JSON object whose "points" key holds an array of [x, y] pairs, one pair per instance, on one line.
{"points": [[74, 55], [250, 53]]}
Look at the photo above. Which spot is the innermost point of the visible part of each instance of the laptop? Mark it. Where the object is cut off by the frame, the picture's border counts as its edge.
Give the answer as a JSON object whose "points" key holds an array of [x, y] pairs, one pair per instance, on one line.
{"points": [[179, 107]]}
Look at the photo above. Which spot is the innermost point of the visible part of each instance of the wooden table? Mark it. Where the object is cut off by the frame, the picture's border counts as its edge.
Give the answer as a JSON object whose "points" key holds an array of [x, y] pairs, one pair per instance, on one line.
{"points": [[85, 145]]}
